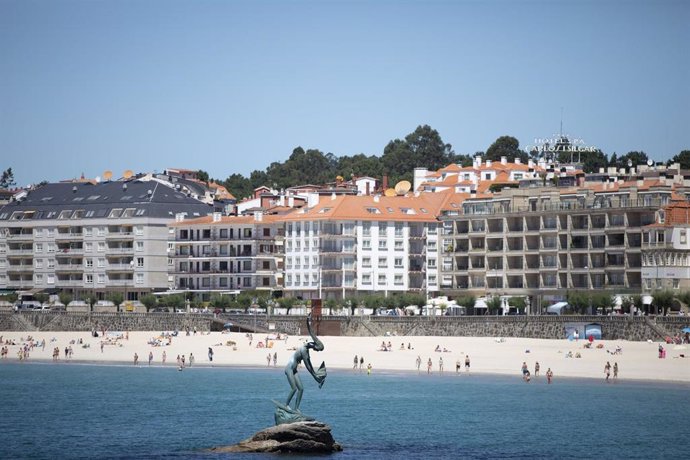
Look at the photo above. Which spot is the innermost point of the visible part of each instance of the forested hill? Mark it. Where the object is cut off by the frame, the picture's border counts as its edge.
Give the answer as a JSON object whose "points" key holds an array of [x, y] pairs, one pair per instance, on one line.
{"points": [[421, 148]]}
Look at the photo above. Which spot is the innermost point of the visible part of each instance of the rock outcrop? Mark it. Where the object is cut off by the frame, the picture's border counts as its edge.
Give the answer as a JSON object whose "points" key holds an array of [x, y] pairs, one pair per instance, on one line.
{"points": [[298, 437]]}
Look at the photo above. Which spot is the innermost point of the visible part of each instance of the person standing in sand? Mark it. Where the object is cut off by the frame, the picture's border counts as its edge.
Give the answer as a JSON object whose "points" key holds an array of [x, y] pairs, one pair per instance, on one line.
{"points": [[467, 363], [440, 365], [428, 366], [354, 367], [615, 371], [607, 370], [164, 357], [150, 357], [210, 354], [275, 358], [536, 369], [419, 362], [549, 375], [136, 359]]}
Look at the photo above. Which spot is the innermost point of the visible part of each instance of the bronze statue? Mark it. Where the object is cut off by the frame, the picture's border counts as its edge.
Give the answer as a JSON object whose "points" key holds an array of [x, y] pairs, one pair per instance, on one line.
{"points": [[285, 413]]}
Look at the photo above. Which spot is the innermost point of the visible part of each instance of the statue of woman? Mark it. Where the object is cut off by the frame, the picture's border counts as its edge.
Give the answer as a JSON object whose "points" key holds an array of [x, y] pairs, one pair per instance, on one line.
{"points": [[302, 355]]}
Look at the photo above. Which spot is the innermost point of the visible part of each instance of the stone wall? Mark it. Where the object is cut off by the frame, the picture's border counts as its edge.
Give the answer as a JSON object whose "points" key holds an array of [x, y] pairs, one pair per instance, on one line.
{"points": [[543, 327]]}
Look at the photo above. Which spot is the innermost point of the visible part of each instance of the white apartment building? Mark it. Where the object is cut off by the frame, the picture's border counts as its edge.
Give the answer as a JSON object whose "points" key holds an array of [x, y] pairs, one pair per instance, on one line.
{"points": [[221, 254], [90, 239], [352, 245]]}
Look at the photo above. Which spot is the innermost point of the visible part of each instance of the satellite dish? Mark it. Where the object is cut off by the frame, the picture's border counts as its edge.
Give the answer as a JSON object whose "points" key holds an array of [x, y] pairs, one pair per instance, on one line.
{"points": [[402, 187], [650, 162], [390, 192], [107, 175], [127, 174], [98, 179]]}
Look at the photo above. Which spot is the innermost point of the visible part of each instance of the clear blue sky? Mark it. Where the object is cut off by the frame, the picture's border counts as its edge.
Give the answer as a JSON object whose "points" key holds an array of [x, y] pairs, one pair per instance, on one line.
{"points": [[231, 86]]}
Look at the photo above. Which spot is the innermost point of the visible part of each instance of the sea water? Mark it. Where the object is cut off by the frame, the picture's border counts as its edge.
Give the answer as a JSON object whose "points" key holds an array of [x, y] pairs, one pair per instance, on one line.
{"points": [[96, 411]]}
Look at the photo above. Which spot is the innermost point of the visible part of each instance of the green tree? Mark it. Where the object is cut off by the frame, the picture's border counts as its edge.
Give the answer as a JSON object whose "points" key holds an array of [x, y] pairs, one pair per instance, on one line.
{"points": [[116, 298], [202, 176], [683, 158], [506, 146], [7, 179], [91, 300], [578, 301], [149, 301], [41, 297], [175, 301], [331, 305], [422, 148], [663, 301], [518, 303], [602, 300], [635, 158], [494, 304], [287, 303], [64, 297], [627, 304], [239, 186]]}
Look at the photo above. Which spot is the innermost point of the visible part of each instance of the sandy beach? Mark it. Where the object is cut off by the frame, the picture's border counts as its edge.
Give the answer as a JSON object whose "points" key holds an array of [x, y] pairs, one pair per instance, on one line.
{"points": [[638, 360]]}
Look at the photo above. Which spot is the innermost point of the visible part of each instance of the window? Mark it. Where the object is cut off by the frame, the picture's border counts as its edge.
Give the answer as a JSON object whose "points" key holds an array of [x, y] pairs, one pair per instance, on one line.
{"points": [[398, 229], [101, 262], [398, 262], [139, 246], [50, 278], [88, 231], [101, 231], [399, 246], [298, 279], [38, 247], [139, 278], [383, 228], [383, 244], [140, 262], [398, 280], [51, 263], [676, 283], [288, 279], [51, 247], [366, 228], [88, 278], [65, 214], [432, 263], [114, 214], [382, 278], [432, 280], [101, 278], [88, 262], [38, 278], [366, 245], [366, 261], [138, 230], [366, 278], [246, 265], [38, 263], [101, 246], [88, 247], [383, 262]]}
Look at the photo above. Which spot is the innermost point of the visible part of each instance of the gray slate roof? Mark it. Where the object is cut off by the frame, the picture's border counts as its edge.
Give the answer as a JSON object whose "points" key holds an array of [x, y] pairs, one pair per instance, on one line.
{"points": [[51, 199]]}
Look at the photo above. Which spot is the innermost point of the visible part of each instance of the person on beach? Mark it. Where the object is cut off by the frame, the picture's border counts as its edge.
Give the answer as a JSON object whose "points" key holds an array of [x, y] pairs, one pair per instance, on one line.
{"points": [[191, 359], [210, 354], [536, 369], [268, 359], [524, 368], [369, 369], [150, 357], [275, 358], [457, 366], [361, 362], [440, 364], [467, 363], [607, 370], [102, 346], [615, 371], [549, 375], [182, 360], [136, 359], [179, 362], [418, 362], [164, 357], [428, 366], [354, 367]]}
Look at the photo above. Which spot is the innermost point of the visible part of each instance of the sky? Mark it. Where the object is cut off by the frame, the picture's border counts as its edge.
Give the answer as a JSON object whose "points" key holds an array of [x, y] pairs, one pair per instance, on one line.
{"points": [[231, 86]]}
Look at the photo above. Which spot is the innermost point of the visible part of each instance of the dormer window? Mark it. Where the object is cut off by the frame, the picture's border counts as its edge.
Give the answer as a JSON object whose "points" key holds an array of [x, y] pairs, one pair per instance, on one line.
{"points": [[662, 217]]}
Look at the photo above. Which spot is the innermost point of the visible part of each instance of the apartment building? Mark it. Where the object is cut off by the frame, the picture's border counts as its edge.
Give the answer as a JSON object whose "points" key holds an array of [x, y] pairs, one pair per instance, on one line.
{"points": [[352, 245], [216, 253], [538, 241], [91, 238]]}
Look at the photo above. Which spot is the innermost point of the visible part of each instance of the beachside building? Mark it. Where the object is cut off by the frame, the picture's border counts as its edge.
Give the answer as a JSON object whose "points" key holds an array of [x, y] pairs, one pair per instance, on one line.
{"points": [[351, 245], [546, 241], [91, 238], [221, 254]]}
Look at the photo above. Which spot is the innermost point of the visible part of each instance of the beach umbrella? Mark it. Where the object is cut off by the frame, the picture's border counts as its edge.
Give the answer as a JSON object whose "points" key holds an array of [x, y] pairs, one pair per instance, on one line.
{"points": [[685, 330], [227, 325]]}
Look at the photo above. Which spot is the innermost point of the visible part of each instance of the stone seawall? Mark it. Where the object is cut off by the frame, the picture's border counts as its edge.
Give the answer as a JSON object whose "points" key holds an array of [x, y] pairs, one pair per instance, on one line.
{"points": [[542, 327]]}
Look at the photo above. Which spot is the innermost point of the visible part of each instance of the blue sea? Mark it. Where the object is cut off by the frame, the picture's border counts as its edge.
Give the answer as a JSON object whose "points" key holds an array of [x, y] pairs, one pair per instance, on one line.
{"points": [[95, 411]]}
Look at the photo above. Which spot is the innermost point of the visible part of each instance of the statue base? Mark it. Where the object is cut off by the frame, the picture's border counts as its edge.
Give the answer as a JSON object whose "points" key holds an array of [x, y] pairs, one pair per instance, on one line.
{"points": [[285, 414], [298, 437]]}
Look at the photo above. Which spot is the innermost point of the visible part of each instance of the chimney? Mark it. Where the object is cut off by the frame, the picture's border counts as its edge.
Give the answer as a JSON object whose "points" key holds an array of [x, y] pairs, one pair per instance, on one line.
{"points": [[332, 196], [291, 201], [473, 192], [518, 161], [504, 160], [258, 216], [477, 161], [530, 163], [376, 198], [488, 163], [179, 217], [385, 182], [368, 191], [216, 217]]}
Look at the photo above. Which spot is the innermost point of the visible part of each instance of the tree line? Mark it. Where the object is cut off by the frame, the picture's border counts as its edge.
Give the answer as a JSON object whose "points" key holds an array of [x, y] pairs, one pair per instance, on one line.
{"points": [[424, 148]]}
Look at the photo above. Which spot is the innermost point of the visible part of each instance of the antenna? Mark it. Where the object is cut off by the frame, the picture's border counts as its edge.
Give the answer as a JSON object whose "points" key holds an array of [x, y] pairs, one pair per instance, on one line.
{"points": [[107, 175], [127, 174], [561, 122], [402, 187]]}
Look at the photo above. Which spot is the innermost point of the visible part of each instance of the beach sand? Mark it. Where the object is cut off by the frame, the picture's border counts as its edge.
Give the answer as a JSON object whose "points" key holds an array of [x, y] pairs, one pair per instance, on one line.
{"points": [[639, 360]]}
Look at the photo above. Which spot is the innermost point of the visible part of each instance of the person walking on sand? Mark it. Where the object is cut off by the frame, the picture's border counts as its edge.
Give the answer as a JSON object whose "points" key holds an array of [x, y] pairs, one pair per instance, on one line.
{"points": [[275, 358], [191, 359], [615, 371], [418, 362], [182, 360], [136, 359], [536, 369], [354, 367], [268, 359], [102, 346], [607, 370], [150, 357], [210, 354], [549, 375], [361, 363], [428, 366], [467, 363], [164, 357]]}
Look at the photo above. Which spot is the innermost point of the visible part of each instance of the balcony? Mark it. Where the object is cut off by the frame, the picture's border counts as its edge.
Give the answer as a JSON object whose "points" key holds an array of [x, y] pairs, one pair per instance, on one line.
{"points": [[21, 268], [119, 236], [70, 267], [68, 252], [29, 236], [68, 236], [119, 250]]}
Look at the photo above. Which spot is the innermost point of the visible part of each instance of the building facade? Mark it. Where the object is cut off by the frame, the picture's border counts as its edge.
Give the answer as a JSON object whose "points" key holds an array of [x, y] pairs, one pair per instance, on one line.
{"points": [[91, 239]]}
